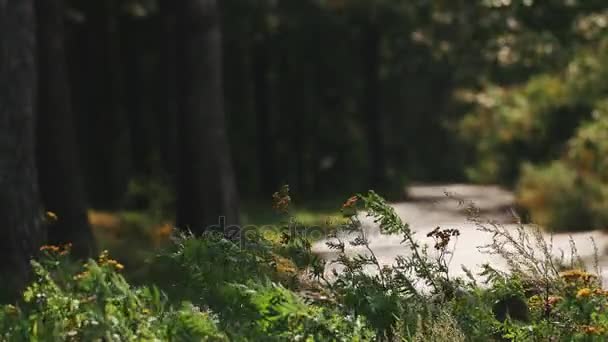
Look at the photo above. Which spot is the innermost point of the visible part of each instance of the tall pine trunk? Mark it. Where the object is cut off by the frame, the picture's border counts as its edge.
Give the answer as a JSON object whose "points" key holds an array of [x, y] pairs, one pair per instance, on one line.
{"points": [[21, 232], [168, 70], [61, 186], [108, 158], [265, 147], [206, 185], [371, 106]]}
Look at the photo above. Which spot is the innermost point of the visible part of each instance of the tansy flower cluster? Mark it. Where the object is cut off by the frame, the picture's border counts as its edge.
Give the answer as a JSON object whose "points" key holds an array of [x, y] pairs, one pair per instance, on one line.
{"points": [[104, 259], [51, 216], [443, 237], [57, 250], [587, 292], [572, 276], [584, 292]]}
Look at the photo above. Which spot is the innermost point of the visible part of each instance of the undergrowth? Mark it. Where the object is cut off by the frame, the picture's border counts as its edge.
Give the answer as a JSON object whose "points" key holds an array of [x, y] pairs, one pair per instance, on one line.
{"points": [[209, 288]]}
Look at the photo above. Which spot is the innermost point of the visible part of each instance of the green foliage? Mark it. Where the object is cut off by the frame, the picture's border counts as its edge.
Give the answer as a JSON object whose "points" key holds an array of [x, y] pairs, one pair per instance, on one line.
{"points": [[547, 133], [532, 120], [571, 193], [561, 199], [284, 316], [95, 303], [219, 290], [239, 283]]}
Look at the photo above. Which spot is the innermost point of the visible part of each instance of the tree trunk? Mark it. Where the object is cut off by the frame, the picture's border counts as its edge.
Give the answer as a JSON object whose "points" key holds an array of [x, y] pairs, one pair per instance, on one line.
{"points": [[206, 185], [108, 156], [260, 69], [60, 179], [168, 65], [21, 233], [371, 107], [140, 130]]}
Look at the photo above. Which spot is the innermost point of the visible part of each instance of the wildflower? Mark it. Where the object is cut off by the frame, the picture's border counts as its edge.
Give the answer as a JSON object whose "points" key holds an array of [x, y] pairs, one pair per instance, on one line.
{"points": [[442, 237], [584, 292], [574, 275], [81, 275], [50, 248], [51, 216], [351, 202], [103, 257], [105, 260], [65, 249]]}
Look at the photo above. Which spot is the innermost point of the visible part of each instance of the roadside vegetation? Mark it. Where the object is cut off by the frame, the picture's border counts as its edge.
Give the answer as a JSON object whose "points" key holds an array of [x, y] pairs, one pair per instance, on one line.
{"points": [[249, 288]]}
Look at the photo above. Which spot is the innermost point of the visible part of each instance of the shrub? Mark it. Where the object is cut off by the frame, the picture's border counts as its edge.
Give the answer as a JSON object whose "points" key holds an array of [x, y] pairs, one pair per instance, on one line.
{"points": [[94, 303], [239, 283], [219, 290], [561, 199]]}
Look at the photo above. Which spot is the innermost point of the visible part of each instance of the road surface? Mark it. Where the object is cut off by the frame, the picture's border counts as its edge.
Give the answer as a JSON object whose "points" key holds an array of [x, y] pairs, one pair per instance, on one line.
{"points": [[429, 207]]}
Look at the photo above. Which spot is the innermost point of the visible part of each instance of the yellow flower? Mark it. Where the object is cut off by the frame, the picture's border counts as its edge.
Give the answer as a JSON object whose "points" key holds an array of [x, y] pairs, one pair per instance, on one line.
{"points": [[584, 292], [82, 275], [103, 257], [51, 216], [105, 260], [49, 248], [574, 275]]}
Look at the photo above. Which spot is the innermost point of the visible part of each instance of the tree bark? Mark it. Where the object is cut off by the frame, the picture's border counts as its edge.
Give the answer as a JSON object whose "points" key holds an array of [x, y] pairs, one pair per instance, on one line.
{"points": [[61, 186], [140, 130], [108, 158], [206, 182], [168, 66], [260, 69], [21, 233], [371, 107]]}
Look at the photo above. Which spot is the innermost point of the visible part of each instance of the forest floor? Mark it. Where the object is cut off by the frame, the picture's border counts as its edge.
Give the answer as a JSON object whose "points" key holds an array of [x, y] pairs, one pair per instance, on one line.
{"points": [[431, 206]]}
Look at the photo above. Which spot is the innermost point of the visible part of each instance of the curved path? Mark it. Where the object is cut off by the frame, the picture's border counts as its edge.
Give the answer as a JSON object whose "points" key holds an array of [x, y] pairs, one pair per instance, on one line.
{"points": [[431, 206]]}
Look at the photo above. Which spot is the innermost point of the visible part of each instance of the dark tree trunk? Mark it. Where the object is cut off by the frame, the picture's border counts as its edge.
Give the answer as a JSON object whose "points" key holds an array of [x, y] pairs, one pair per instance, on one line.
{"points": [[291, 89], [206, 183], [168, 115], [108, 157], [371, 107], [21, 233], [60, 180], [140, 130], [265, 146]]}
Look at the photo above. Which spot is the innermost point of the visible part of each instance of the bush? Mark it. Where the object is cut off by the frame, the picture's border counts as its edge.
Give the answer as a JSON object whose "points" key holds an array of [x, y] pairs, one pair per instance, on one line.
{"points": [[559, 198], [587, 151], [533, 121], [219, 290], [95, 303]]}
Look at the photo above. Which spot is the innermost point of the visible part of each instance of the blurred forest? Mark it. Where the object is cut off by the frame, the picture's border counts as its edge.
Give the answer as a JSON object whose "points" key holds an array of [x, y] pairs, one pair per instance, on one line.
{"points": [[198, 108]]}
